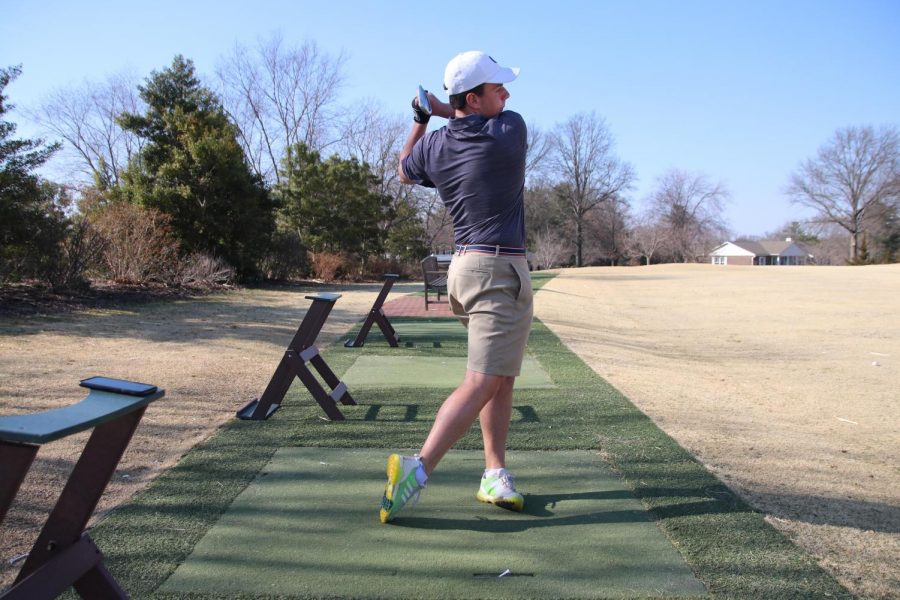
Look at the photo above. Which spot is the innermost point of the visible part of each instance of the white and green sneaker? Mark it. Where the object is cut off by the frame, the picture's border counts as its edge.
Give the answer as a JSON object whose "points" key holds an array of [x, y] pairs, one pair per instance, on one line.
{"points": [[498, 488], [404, 476]]}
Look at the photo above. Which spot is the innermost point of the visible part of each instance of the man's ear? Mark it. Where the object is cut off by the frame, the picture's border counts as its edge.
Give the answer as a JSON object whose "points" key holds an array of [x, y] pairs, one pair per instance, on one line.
{"points": [[472, 100]]}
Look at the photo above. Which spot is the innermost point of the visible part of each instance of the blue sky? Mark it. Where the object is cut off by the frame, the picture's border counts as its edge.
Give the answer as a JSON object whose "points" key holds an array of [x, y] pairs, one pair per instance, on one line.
{"points": [[740, 91]]}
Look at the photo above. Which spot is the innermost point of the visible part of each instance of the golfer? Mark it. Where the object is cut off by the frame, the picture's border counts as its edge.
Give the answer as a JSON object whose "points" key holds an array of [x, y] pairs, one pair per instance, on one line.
{"points": [[477, 163]]}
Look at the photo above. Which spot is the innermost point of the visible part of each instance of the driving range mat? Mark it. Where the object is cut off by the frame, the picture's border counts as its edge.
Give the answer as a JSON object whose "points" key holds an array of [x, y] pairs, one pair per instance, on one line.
{"points": [[379, 371], [308, 526]]}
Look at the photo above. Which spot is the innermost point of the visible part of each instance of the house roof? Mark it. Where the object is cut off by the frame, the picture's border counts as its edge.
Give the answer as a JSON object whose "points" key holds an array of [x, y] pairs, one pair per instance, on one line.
{"points": [[764, 248]]}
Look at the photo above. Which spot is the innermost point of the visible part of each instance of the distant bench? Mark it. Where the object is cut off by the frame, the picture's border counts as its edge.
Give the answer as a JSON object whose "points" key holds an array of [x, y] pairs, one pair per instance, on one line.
{"points": [[435, 278], [64, 555]]}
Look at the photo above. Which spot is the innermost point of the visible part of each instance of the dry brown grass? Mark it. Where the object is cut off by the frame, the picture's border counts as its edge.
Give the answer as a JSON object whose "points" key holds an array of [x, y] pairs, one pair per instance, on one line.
{"points": [[782, 380]]}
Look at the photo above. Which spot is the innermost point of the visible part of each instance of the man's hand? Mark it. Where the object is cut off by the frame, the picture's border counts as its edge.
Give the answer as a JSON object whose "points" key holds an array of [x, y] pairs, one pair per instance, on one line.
{"points": [[420, 115], [438, 109]]}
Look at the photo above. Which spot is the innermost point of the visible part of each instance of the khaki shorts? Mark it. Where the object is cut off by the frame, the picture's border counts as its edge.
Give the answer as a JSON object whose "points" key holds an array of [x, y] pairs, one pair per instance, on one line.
{"points": [[492, 297]]}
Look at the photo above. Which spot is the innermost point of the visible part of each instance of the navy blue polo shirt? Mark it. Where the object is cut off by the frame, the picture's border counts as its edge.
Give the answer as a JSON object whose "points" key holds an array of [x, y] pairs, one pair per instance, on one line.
{"points": [[478, 167]]}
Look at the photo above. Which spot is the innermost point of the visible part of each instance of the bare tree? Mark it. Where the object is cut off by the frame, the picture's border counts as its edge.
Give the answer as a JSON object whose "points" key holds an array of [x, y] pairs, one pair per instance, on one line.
{"points": [[437, 220], [691, 207], [606, 233], [539, 146], [86, 118], [280, 95], [374, 136], [588, 170], [854, 172], [549, 249], [647, 237]]}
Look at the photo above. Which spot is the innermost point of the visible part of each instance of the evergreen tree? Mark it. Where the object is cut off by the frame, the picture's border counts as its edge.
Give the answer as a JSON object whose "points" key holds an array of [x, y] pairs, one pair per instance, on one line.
{"points": [[193, 169], [333, 204], [32, 223]]}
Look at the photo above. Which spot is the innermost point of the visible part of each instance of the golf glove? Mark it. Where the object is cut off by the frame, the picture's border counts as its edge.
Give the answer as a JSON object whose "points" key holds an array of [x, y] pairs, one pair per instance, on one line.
{"points": [[419, 115]]}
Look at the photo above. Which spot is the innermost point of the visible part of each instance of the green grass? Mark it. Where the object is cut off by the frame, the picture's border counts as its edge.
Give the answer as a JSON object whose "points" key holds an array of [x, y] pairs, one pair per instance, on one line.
{"points": [[727, 545]]}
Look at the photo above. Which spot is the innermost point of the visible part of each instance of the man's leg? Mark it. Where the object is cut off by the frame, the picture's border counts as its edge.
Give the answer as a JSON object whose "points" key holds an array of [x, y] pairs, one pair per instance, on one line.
{"points": [[455, 417], [497, 485], [494, 419], [457, 414]]}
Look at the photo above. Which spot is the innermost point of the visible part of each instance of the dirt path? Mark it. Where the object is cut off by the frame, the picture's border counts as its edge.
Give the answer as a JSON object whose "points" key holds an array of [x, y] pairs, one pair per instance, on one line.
{"points": [[784, 381], [212, 355]]}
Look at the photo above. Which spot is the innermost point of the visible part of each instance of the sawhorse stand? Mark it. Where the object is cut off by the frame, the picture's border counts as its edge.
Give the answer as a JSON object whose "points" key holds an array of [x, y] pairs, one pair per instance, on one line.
{"points": [[376, 315], [64, 555], [300, 351]]}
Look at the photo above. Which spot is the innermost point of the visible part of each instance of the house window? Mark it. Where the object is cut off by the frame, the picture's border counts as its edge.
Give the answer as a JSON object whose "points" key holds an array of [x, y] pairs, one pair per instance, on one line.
{"points": [[719, 260]]}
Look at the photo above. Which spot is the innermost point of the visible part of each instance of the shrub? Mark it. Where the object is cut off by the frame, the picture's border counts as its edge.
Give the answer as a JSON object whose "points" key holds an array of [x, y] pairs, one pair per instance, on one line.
{"points": [[140, 244], [287, 258], [82, 250], [331, 266], [202, 270], [377, 266]]}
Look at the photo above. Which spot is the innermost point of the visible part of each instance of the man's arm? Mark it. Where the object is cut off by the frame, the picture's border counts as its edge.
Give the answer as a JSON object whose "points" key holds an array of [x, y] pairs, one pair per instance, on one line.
{"points": [[415, 134], [438, 109]]}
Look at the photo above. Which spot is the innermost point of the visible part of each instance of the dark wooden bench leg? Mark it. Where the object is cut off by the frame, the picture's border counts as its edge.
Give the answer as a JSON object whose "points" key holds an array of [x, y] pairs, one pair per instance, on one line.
{"points": [[271, 398], [376, 315], [387, 329], [15, 460], [99, 583], [322, 397], [81, 563], [76, 504], [338, 390]]}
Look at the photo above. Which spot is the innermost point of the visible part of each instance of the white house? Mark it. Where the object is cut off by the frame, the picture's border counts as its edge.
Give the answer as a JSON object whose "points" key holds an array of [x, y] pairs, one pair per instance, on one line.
{"points": [[765, 252]]}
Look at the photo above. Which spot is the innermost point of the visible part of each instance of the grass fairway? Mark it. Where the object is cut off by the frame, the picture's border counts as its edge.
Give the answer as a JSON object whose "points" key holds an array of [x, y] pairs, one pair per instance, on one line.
{"points": [[726, 545]]}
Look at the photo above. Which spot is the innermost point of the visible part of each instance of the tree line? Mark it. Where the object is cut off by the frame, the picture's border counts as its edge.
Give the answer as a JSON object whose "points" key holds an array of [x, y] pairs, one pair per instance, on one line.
{"points": [[262, 174]]}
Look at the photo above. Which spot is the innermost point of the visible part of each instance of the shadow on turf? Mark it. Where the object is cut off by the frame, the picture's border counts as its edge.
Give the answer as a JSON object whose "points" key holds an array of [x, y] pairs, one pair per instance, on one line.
{"points": [[838, 512], [540, 507]]}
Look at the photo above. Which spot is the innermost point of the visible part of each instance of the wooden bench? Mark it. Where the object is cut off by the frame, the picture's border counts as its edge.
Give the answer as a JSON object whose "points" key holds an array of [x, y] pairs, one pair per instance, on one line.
{"points": [[64, 555], [376, 315], [435, 278], [300, 353]]}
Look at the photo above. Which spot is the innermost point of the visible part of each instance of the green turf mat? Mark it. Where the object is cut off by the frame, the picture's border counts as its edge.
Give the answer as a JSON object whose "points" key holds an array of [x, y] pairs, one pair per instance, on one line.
{"points": [[375, 371], [308, 526], [426, 331]]}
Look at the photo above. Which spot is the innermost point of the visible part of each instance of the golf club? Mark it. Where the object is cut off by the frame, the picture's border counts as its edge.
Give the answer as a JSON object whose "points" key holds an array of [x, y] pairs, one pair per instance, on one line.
{"points": [[424, 104]]}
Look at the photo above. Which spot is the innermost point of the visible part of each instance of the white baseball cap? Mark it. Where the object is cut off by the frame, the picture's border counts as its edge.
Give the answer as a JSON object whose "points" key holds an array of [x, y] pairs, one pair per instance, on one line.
{"points": [[468, 70]]}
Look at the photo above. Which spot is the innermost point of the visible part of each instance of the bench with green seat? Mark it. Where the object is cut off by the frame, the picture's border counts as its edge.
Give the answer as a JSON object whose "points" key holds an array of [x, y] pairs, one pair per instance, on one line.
{"points": [[64, 555]]}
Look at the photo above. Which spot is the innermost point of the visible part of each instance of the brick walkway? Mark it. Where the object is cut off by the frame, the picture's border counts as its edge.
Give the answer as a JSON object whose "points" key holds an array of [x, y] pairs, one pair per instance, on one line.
{"points": [[414, 306]]}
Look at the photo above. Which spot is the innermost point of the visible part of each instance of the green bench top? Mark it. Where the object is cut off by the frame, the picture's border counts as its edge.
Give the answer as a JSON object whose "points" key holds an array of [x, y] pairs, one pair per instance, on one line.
{"points": [[327, 296], [99, 407]]}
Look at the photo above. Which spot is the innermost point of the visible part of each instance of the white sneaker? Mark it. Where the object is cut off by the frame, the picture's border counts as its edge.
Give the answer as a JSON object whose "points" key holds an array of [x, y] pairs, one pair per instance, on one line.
{"points": [[402, 485], [500, 489]]}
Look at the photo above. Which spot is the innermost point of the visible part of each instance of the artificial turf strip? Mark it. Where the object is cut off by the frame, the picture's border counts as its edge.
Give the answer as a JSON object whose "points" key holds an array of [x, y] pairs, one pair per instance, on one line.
{"points": [[428, 372], [308, 526], [730, 548]]}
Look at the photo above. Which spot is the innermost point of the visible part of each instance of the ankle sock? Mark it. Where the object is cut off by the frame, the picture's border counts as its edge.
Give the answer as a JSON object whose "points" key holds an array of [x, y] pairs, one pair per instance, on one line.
{"points": [[494, 472], [421, 476]]}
